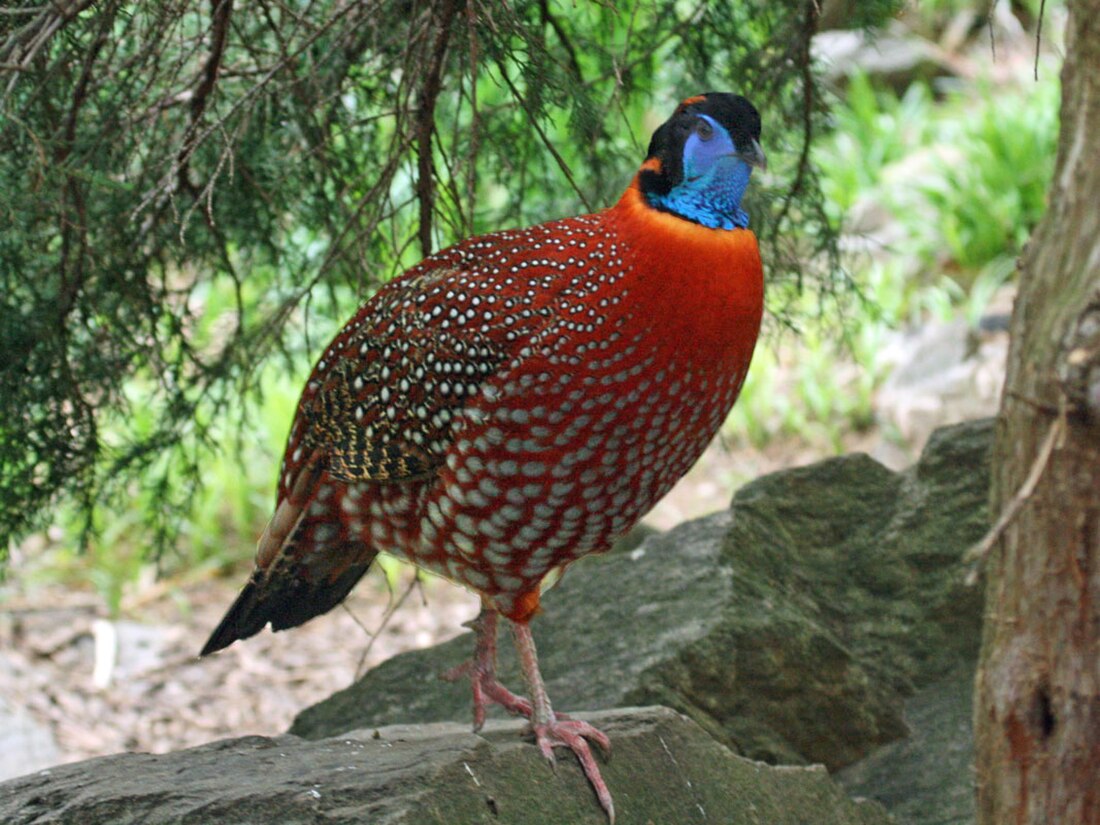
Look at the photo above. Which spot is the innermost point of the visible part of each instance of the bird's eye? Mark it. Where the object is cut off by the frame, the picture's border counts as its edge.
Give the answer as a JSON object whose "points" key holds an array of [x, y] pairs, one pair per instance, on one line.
{"points": [[704, 130]]}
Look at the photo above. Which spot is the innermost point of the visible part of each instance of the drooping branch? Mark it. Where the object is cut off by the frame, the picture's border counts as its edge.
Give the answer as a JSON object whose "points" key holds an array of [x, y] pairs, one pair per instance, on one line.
{"points": [[544, 138], [808, 90], [563, 37], [425, 124], [18, 51], [221, 11]]}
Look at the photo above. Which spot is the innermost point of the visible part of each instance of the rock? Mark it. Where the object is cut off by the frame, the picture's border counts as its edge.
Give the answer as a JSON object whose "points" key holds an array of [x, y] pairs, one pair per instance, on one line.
{"points": [[791, 627], [927, 778], [666, 769], [25, 745], [895, 58], [943, 373]]}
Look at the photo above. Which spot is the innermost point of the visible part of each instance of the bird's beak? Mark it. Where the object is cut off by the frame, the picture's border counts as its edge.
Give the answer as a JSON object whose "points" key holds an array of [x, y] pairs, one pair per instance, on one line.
{"points": [[754, 156]]}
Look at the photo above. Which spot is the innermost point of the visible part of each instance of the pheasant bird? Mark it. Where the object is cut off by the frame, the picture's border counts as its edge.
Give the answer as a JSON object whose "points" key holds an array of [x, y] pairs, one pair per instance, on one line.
{"points": [[520, 400]]}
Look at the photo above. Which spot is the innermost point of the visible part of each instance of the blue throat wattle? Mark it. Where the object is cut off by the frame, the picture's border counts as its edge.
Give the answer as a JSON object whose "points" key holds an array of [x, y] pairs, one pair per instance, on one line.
{"points": [[712, 199]]}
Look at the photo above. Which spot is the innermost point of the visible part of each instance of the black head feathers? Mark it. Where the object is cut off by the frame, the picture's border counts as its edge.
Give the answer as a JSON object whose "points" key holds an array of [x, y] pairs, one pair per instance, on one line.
{"points": [[663, 168]]}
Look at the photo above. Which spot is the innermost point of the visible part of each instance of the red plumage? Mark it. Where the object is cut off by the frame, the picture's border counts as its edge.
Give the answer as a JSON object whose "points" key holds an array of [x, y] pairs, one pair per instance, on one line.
{"points": [[510, 404]]}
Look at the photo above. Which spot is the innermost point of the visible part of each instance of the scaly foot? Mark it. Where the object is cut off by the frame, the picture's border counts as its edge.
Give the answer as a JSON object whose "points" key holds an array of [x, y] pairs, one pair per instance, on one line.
{"points": [[556, 730], [481, 670]]}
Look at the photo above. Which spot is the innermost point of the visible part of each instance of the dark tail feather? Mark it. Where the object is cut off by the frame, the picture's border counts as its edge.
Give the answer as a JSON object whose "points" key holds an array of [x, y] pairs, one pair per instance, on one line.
{"points": [[298, 574], [240, 622], [288, 598]]}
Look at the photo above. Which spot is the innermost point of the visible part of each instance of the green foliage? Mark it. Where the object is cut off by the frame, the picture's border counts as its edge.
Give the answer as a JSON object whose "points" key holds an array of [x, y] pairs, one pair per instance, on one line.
{"points": [[871, 130], [965, 178], [993, 195]]}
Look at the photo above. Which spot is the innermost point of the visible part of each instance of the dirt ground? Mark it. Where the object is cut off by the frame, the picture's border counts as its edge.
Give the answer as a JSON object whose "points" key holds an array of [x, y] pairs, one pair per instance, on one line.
{"points": [[159, 695]]}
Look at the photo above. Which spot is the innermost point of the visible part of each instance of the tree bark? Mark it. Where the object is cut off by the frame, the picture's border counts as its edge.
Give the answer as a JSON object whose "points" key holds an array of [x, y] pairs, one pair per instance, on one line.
{"points": [[1037, 695]]}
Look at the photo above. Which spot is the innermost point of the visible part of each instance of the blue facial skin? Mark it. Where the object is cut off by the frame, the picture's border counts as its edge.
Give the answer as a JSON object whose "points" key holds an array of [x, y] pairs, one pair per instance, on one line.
{"points": [[715, 178]]}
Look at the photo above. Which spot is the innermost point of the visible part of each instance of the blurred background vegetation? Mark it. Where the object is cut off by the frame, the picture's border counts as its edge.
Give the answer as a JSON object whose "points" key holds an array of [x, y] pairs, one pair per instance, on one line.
{"points": [[193, 198]]}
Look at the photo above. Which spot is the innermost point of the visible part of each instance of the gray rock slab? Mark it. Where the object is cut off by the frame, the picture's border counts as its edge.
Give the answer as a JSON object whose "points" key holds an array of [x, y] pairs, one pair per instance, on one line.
{"points": [[25, 744], [928, 777], [942, 373], [665, 769], [896, 58], [792, 627]]}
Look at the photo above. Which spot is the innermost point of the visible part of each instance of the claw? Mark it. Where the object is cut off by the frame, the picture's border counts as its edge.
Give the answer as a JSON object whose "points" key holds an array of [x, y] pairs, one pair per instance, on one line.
{"points": [[574, 734]]}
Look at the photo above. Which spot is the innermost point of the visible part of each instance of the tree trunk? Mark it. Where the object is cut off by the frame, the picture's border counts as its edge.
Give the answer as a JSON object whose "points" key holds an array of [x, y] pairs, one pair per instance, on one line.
{"points": [[1037, 697]]}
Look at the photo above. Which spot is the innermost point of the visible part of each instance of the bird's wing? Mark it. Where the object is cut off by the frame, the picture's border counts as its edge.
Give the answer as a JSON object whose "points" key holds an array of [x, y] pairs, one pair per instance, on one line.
{"points": [[385, 396], [382, 399]]}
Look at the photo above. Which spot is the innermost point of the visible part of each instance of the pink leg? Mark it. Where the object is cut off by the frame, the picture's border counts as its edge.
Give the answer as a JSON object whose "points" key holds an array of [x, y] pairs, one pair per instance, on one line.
{"points": [[557, 730], [482, 672]]}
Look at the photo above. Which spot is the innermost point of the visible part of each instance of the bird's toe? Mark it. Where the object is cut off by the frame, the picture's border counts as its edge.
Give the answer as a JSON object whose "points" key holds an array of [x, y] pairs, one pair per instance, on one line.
{"points": [[574, 734]]}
